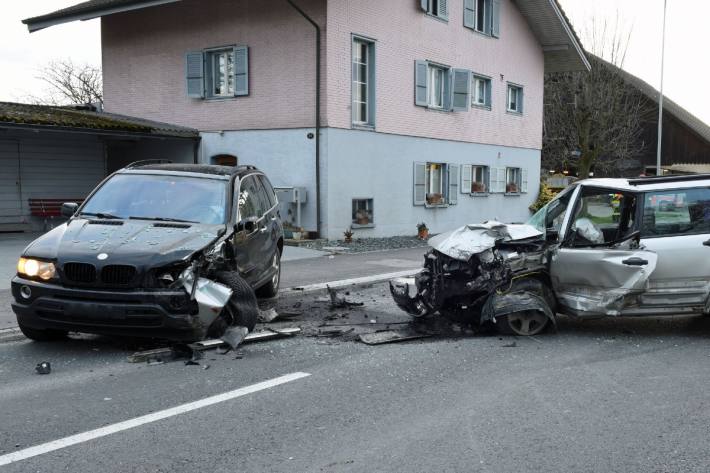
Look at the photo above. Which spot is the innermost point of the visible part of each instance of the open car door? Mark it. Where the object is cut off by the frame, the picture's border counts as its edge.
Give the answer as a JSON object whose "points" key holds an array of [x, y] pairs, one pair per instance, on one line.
{"points": [[598, 269]]}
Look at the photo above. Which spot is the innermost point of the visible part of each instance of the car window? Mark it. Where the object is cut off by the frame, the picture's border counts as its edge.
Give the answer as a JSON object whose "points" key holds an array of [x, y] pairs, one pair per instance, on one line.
{"points": [[250, 198], [553, 214], [269, 190], [677, 212], [603, 216]]}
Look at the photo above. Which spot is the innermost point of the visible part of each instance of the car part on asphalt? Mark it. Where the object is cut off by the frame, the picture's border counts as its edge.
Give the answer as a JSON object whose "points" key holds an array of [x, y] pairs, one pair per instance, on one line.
{"points": [[340, 302], [43, 368]]}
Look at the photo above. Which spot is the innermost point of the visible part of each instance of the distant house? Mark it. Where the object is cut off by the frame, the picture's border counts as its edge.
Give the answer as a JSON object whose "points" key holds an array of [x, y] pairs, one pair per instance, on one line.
{"points": [[430, 110], [54, 154]]}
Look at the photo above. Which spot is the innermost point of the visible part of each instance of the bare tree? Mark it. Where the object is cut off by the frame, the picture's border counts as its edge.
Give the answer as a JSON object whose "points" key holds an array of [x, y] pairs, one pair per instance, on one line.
{"points": [[70, 84], [595, 116]]}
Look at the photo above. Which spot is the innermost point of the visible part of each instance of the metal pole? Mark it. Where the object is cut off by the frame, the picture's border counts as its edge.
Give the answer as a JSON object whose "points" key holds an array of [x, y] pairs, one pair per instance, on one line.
{"points": [[660, 99]]}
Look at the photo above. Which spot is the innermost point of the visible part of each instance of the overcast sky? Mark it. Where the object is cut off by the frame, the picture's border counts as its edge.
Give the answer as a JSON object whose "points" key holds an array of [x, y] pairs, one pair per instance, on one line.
{"points": [[687, 34]]}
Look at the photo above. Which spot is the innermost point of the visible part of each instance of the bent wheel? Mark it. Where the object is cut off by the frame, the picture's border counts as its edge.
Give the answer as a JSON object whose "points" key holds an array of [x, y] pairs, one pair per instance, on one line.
{"points": [[525, 323]]}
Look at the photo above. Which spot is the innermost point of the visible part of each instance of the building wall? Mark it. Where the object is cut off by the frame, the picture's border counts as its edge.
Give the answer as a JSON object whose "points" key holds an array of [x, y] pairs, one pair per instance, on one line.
{"points": [[380, 166], [144, 62], [403, 34]]}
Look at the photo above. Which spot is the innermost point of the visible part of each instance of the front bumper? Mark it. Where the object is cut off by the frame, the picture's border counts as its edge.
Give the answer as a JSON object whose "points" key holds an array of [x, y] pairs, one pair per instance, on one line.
{"points": [[161, 313], [404, 293]]}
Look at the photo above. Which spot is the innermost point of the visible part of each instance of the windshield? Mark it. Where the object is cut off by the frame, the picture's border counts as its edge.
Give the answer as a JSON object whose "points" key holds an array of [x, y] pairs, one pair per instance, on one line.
{"points": [[552, 214], [160, 197]]}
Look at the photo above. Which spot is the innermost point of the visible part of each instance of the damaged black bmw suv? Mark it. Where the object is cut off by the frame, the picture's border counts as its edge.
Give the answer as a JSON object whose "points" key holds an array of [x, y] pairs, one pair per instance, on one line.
{"points": [[174, 251]]}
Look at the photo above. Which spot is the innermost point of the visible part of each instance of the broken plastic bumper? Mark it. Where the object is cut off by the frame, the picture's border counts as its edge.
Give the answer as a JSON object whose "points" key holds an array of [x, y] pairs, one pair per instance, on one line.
{"points": [[404, 293], [163, 313]]}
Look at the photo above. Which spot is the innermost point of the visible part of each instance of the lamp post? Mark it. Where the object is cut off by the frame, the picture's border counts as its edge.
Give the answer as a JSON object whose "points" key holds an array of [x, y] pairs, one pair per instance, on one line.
{"points": [[660, 99]]}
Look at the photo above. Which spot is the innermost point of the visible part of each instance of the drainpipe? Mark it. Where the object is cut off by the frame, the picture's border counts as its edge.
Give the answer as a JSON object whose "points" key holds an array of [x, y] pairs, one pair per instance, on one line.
{"points": [[315, 25]]}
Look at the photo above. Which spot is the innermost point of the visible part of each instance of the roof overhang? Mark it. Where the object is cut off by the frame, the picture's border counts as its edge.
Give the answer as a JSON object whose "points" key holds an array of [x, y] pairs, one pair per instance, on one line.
{"points": [[561, 47], [88, 11]]}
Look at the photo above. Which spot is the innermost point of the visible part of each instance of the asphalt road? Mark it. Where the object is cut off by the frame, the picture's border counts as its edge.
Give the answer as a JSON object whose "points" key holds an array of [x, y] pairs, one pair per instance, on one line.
{"points": [[607, 395]]}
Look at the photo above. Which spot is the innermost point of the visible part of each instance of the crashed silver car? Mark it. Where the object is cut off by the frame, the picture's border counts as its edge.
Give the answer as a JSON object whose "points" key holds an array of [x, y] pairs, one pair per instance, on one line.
{"points": [[173, 251], [602, 247]]}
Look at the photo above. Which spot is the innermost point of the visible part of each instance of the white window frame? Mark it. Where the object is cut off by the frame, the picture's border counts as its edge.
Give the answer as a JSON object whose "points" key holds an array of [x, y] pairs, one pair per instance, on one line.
{"points": [[433, 71], [485, 27], [488, 83], [369, 84], [443, 184], [485, 179], [517, 89], [518, 182], [369, 208], [213, 56]]}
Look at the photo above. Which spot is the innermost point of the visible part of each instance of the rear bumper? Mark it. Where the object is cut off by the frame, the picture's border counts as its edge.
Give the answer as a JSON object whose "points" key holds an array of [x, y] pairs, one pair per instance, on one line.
{"points": [[166, 314]]}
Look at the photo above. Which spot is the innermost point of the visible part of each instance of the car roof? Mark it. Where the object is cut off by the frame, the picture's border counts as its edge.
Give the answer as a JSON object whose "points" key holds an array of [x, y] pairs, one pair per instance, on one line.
{"points": [[205, 169], [644, 184]]}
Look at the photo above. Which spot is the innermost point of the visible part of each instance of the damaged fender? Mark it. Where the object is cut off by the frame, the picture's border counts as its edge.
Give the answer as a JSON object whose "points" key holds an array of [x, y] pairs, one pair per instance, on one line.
{"points": [[211, 297], [499, 305]]}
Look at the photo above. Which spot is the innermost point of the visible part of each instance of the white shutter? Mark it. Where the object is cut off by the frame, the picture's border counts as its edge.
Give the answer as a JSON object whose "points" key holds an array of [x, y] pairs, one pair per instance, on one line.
{"points": [[419, 183], [524, 181], [466, 177], [498, 180], [453, 170]]}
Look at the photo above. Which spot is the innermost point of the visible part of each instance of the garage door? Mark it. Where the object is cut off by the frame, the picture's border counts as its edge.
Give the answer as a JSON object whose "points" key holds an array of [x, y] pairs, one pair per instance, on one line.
{"points": [[10, 201]]}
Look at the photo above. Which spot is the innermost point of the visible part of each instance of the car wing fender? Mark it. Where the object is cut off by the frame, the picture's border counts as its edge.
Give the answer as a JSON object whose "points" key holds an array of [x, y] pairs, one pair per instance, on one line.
{"points": [[499, 305]]}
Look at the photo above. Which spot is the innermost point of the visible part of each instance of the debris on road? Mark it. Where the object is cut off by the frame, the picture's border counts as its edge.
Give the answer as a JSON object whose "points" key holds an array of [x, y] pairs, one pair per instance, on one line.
{"points": [[510, 345], [340, 302], [43, 368], [234, 336], [391, 336], [267, 316]]}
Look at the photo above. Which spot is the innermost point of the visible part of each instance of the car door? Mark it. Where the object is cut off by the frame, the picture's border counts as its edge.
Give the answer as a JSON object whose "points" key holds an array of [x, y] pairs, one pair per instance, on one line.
{"points": [[598, 269], [676, 225], [250, 238]]}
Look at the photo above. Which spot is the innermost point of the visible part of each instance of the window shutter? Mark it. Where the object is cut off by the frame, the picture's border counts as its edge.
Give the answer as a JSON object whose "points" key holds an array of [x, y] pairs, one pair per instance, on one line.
{"points": [[469, 13], [520, 100], [424, 5], [195, 74], [419, 183], [524, 181], [462, 90], [489, 91], [495, 18], [241, 70], [448, 90], [466, 177], [453, 183], [487, 178], [420, 83], [498, 180], [444, 9]]}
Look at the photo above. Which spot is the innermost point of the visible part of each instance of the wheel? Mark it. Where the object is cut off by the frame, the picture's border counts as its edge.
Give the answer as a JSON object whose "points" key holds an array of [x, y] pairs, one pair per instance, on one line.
{"points": [[271, 288], [242, 308], [530, 322], [39, 335]]}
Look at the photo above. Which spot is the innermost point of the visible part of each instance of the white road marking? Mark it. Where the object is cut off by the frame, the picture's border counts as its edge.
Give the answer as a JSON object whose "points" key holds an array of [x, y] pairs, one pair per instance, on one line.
{"points": [[146, 419], [350, 282]]}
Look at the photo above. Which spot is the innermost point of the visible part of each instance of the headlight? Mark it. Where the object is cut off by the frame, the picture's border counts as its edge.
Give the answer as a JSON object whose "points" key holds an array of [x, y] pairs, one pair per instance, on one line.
{"points": [[35, 268]]}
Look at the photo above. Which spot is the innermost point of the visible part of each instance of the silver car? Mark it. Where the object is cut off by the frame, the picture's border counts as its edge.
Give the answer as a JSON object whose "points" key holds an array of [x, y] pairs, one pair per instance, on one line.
{"points": [[602, 247]]}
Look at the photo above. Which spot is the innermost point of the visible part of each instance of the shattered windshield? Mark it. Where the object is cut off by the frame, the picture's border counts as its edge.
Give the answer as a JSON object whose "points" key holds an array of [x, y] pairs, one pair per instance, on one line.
{"points": [[552, 214], [160, 197]]}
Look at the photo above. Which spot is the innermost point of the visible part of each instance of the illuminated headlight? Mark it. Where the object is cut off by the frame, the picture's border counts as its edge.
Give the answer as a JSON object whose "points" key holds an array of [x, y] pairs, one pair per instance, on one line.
{"points": [[35, 268]]}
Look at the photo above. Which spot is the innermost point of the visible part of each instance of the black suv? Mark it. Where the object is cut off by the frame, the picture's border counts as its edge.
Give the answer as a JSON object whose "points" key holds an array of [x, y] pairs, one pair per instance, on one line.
{"points": [[176, 251]]}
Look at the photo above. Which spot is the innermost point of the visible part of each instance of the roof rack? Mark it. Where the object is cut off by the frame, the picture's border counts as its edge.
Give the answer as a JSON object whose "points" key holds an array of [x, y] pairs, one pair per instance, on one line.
{"points": [[639, 181], [147, 162]]}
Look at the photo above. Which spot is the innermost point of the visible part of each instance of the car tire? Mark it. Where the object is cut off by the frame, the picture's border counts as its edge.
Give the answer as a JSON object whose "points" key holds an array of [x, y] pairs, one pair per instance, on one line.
{"points": [[524, 324], [42, 335], [271, 288], [242, 306]]}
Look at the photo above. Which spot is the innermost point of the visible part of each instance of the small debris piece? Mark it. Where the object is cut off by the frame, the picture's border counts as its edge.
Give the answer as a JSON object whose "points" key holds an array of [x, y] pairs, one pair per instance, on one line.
{"points": [[267, 316], [510, 345], [234, 336], [191, 363], [391, 336], [205, 367], [43, 368], [155, 361], [339, 302]]}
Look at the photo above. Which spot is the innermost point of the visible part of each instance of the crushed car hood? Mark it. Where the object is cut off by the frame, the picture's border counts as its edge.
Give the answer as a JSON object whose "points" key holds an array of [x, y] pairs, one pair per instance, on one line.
{"points": [[464, 242], [142, 242]]}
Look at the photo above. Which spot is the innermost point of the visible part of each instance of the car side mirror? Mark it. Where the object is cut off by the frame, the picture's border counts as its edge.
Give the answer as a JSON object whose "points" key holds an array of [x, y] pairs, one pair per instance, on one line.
{"points": [[247, 225], [551, 235], [69, 209]]}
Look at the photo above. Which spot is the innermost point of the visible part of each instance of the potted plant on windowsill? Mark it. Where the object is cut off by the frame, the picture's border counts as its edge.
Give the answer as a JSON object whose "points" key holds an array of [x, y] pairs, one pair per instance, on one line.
{"points": [[422, 231], [362, 217], [435, 199], [478, 187], [511, 188]]}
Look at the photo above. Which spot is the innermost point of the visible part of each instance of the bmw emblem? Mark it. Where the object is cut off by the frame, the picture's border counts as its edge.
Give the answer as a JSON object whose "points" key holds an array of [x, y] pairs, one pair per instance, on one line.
{"points": [[102, 256]]}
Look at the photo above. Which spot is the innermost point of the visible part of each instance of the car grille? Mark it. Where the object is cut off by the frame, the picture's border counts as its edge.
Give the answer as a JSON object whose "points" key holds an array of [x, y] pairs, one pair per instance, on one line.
{"points": [[80, 272], [120, 275]]}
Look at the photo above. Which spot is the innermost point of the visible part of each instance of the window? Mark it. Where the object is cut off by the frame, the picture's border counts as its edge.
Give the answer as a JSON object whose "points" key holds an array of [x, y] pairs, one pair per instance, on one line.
{"points": [[679, 212], [437, 8], [435, 184], [474, 179], [602, 216], [433, 86], [218, 73], [513, 180], [251, 199], [482, 16], [363, 214], [515, 98], [481, 91], [363, 88], [437, 76]]}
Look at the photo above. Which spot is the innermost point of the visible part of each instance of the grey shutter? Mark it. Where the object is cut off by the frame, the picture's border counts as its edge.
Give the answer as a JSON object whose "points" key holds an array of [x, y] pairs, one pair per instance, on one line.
{"points": [[241, 70], [424, 5], [466, 177], [520, 100], [195, 74], [453, 183], [420, 83], [495, 18], [419, 183], [448, 90], [489, 91], [444, 9], [461, 90], [469, 14]]}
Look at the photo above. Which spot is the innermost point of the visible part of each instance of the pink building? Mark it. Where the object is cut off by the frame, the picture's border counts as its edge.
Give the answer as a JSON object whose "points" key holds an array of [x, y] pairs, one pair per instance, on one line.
{"points": [[430, 110]]}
